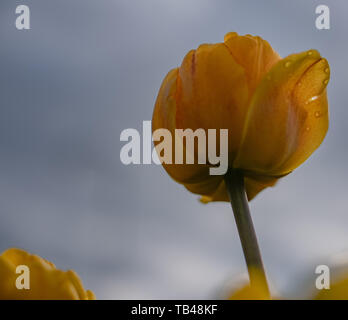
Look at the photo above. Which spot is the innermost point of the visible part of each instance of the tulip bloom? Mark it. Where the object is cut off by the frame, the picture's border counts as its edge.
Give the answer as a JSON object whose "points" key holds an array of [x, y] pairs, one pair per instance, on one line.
{"points": [[276, 110], [338, 290], [46, 282], [251, 292]]}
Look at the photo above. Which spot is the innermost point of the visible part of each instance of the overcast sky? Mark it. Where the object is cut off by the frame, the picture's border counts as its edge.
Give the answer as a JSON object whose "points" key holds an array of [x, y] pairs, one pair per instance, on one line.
{"points": [[88, 70]]}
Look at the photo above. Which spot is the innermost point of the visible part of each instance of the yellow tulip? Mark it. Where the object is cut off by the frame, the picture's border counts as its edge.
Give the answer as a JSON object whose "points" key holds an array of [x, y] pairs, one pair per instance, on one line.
{"points": [[249, 292], [276, 110], [338, 290], [46, 282], [255, 291]]}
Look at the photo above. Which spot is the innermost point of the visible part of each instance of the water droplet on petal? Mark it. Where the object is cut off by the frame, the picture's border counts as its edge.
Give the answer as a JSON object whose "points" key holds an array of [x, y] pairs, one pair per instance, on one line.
{"points": [[312, 99], [327, 70], [317, 114], [310, 52], [308, 128], [326, 81], [287, 64]]}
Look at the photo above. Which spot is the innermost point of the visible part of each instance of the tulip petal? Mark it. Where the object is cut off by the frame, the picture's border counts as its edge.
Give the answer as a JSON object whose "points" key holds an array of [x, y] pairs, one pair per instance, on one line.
{"points": [[194, 96], [212, 93], [253, 186], [288, 116], [254, 54], [164, 118]]}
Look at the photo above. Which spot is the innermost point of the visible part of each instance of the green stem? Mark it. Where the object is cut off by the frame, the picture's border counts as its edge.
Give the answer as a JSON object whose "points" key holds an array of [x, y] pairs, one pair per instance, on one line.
{"points": [[234, 181]]}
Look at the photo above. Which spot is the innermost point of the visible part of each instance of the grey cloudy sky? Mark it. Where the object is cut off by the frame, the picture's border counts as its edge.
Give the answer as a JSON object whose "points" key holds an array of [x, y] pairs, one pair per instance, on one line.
{"points": [[89, 69]]}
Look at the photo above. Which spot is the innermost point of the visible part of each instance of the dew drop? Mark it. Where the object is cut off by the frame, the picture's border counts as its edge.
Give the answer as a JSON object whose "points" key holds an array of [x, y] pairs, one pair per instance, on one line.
{"points": [[326, 81], [317, 114], [327, 70], [313, 98], [308, 128], [287, 64], [310, 53]]}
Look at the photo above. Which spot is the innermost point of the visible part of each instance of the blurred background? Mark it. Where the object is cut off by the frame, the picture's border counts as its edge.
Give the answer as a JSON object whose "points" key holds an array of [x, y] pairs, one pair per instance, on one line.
{"points": [[88, 70]]}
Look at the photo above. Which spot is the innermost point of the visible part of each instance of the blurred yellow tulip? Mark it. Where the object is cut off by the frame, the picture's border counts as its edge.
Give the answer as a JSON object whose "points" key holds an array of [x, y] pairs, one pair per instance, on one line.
{"points": [[338, 290], [45, 282], [276, 110], [255, 291], [249, 293]]}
